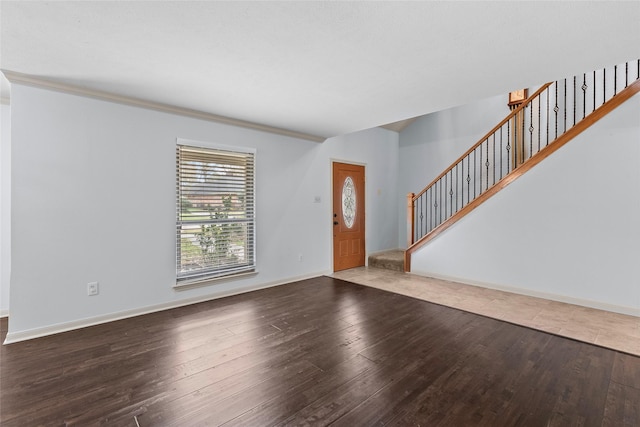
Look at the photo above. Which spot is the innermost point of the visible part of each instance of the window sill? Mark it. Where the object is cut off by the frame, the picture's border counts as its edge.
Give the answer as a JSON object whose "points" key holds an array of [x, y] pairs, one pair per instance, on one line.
{"points": [[196, 283]]}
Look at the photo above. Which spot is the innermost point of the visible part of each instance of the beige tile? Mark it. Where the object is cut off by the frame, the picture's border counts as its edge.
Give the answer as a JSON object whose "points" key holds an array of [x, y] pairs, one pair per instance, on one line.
{"points": [[551, 317], [492, 312], [473, 306], [552, 329], [580, 332], [521, 318], [619, 341]]}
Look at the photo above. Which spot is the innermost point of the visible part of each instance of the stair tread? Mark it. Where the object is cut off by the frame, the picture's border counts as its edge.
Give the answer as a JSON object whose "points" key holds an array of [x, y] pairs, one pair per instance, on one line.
{"points": [[390, 260], [392, 255]]}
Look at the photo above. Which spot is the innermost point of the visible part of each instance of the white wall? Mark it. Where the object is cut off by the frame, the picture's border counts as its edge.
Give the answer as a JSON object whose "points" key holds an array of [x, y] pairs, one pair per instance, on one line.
{"points": [[5, 207], [93, 195], [433, 142], [568, 229]]}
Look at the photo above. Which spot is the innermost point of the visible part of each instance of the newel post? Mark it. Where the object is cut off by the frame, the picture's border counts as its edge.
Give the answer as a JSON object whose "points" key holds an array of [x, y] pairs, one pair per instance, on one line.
{"points": [[410, 219], [410, 231]]}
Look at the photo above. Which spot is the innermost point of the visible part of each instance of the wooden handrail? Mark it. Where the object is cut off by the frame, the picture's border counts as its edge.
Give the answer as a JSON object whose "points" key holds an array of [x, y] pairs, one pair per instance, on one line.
{"points": [[491, 132], [545, 152]]}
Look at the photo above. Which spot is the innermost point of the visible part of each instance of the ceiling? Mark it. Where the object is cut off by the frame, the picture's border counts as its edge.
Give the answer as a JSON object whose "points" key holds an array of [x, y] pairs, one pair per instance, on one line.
{"points": [[320, 68]]}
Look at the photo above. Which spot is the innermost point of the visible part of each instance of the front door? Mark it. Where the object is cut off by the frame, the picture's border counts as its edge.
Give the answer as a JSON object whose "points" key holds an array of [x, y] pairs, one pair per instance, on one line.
{"points": [[348, 216]]}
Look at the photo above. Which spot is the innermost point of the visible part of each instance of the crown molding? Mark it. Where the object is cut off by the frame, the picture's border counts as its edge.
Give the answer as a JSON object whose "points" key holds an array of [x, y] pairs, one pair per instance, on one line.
{"points": [[29, 80]]}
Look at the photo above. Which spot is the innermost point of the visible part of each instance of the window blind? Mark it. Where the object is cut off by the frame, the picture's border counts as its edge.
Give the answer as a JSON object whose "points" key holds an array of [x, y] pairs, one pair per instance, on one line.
{"points": [[215, 226]]}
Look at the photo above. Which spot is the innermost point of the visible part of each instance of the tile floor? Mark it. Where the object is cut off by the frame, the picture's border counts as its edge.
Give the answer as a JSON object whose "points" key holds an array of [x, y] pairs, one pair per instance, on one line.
{"points": [[616, 331]]}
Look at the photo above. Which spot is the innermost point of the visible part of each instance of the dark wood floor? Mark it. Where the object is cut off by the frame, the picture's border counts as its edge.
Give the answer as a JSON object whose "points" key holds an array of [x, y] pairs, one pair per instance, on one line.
{"points": [[317, 352]]}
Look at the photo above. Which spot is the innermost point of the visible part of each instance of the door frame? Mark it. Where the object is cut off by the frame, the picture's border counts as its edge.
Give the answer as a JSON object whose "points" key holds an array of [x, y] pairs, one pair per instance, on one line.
{"points": [[333, 160]]}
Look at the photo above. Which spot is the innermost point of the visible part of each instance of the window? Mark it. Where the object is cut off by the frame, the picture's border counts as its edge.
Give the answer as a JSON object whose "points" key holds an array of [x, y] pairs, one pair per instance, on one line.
{"points": [[215, 224]]}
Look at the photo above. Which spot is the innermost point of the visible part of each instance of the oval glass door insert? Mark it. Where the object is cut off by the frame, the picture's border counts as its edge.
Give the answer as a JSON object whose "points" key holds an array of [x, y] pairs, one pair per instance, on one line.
{"points": [[348, 202]]}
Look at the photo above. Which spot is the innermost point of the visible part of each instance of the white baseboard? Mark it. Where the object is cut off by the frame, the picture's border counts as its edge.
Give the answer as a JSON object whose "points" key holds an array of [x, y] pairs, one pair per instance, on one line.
{"points": [[632, 311], [13, 337]]}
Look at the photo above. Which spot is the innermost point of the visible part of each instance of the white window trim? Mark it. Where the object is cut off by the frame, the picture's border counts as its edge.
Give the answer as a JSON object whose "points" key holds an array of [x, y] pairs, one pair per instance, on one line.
{"points": [[202, 281]]}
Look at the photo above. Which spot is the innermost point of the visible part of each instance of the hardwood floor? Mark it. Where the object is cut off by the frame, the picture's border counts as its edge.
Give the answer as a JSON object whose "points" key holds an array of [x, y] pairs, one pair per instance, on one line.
{"points": [[316, 352]]}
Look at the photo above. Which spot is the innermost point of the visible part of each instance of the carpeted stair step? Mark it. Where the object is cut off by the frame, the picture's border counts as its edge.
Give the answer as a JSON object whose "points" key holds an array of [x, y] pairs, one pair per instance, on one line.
{"points": [[389, 260]]}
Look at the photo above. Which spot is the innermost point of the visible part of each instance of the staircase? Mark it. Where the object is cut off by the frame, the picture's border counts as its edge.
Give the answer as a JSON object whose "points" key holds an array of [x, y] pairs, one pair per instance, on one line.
{"points": [[555, 114]]}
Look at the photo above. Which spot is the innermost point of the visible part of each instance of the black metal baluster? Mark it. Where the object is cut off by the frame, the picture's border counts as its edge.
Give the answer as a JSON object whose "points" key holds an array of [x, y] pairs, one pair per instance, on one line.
{"points": [[457, 187], [539, 123], [584, 95], [435, 205], [451, 192], [427, 217], [574, 100], [425, 202], [556, 109], [547, 116], [508, 147], [425, 210], [434, 202], [444, 200], [429, 213], [487, 164], [523, 112], [417, 233], [440, 200], [494, 158], [594, 92], [462, 185], [480, 168], [638, 69], [427, 225], [531, 129], [515, 141], [447, 214], [626, 74], [500, 152], [468, 178], [604, 85], [475, 173], [565, 105], [615, 80], [419, 230], [431, 208]]}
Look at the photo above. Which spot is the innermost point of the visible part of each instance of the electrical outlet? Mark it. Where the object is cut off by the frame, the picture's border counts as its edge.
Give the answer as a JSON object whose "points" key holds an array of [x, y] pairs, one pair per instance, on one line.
{"points": [[92, 288]]}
